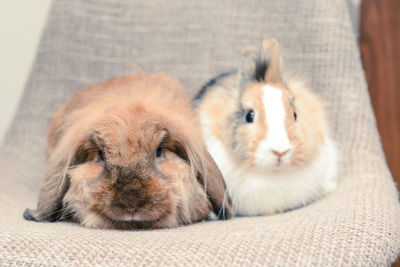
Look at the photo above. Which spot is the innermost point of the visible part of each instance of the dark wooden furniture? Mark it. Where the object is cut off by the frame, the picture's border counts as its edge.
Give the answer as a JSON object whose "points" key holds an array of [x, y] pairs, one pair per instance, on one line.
{"points": [[380, 49]]}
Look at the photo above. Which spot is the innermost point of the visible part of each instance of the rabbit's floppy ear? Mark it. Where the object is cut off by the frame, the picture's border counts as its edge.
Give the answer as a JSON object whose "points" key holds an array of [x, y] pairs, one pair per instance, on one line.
{"points": [[209, 176], [53, 189], [56, 184]]}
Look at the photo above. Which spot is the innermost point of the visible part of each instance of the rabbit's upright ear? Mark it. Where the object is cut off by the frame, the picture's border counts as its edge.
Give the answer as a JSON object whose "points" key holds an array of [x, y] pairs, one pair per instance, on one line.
{"points": [[55, 185], [248, 70], [260, 65], [271, 53]]}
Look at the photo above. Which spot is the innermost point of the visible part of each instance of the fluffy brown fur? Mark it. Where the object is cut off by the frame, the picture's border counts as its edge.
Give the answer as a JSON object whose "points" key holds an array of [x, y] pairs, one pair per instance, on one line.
{"points": [[126, 154]]}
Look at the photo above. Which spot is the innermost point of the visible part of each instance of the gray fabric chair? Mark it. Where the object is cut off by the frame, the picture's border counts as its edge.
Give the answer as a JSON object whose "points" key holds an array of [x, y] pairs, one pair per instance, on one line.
{"points": [[86, 42]]}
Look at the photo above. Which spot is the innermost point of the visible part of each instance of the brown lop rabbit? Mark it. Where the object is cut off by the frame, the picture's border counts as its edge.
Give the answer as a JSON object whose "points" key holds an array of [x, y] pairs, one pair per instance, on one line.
{"points": [[128, 153]]}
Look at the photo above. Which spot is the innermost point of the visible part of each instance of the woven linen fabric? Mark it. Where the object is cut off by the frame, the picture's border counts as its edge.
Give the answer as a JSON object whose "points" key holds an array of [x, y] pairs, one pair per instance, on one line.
{"points": [[87, 41]]}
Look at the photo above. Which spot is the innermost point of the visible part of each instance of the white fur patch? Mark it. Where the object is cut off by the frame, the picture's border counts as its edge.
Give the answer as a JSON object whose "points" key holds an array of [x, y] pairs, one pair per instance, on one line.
{"points": [[214, 146], [260, 194], [277, 137]]}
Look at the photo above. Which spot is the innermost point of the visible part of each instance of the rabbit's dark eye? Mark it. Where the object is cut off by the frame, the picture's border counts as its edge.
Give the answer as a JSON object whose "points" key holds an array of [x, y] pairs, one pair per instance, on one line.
{"points": [[295, 115], [100, 154], [250, 116], [159, 152]]}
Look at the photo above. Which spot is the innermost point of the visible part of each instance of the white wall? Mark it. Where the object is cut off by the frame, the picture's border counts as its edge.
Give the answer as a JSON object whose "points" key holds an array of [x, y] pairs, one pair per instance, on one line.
{"points": [[21, 23]]}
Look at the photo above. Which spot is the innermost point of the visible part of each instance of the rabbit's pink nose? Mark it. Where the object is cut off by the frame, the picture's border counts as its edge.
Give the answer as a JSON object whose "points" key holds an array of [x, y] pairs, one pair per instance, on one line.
{"points": [[279, 154]]}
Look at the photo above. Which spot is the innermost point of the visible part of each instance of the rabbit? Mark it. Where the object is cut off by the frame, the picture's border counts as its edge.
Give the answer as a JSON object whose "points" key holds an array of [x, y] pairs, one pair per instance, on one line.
{"points": [[269, 135], [128, 153]]}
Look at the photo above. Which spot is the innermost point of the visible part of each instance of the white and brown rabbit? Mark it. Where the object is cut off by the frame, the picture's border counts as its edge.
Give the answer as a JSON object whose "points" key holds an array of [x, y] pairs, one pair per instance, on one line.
{"points": [[269, 136], [127, 154]]}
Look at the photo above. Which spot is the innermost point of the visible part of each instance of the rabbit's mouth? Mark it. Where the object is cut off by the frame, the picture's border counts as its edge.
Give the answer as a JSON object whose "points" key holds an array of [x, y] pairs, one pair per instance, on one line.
{"points": [[129, 216], [135, 215], [272, 161], [132, 216]]}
